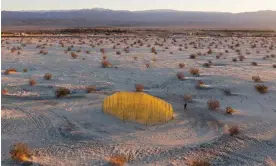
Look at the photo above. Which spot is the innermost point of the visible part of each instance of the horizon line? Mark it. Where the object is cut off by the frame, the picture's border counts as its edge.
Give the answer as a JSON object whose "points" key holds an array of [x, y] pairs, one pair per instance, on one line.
{"points": [[133, 10]]}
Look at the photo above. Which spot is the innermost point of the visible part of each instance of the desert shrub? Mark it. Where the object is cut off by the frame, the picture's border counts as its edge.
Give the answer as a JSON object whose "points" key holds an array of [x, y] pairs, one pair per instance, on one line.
{"points": [[91, 88], [139, 87], [217, 56], [209, 51], [153, 50], [154, 59], [199, 84], [226, 51], [87, 52], [254, 64], [20, 152], [4, 91], [32, 82], [118, 52], [234, 60], [104, 57], [78, 51], [106, 64], [13, 49], [61, 92], [119, 160], [261, 88], [74, 55], [181, 65], [180, 76], [272, 56], [227, 92], [200, 163], [147, 65], [206, 64], [256, 78], [187, 97], [213, 104], [229, 110], [194, 71], [47, 76], [25, 70], [192, 56], [274, 65], [135, 58], [234, 130], [102, 50], [9, 71]]}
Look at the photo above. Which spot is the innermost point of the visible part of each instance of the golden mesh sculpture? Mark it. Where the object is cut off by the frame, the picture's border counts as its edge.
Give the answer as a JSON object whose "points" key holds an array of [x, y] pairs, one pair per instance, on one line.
{"points": [[139, 107]]}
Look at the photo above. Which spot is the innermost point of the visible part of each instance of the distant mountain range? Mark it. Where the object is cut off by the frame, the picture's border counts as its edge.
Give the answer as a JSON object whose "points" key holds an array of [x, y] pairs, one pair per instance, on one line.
{"points": [[154, 18]]}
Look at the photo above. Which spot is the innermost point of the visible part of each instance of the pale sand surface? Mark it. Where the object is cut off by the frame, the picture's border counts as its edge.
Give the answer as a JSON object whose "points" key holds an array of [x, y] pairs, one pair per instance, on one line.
{"points": [[74, 130]]}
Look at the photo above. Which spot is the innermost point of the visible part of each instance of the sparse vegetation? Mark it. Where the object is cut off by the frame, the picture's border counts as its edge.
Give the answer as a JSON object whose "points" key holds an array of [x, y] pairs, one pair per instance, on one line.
{"points": [[9, 71], [213, 104], [229, 110], [181, 65], [32, 82], [106, 64], [25, 70], [91, 88], [180, 76], [194, 71], [234, 130], [200, 163], [256, 78], [139, 87], [47, 76], [254, 64], [261, 88], [62, 92], [74, 55], [20, 152]]}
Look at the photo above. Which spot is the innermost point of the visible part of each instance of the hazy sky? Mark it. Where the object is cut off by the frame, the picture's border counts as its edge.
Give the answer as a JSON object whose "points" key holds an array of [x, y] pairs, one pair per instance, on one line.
{"points": [[187, 5]]}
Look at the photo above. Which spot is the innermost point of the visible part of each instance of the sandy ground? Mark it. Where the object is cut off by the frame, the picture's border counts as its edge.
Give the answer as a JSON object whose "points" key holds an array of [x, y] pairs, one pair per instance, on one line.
{"points": [[74, 130]]}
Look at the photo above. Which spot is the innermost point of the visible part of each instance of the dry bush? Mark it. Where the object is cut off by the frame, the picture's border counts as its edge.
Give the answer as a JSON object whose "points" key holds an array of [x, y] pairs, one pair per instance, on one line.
{"points": [[32, 82], [119, 160], [200, 163], [139, 87], [181, 65], [153, 50], [87, 52], [261, 88], [106, 64], [209, 51], [135, 58], [91, 88], [104, 57], [192, 56], [206, 64], [194, 71], [226, 51], [102, 50], [213, 104], [180, 76], [20, 152], [199, 84], [9, 71], [254, 64], [227, 92], [187, 97], [234, 130], [118, 52], [274, 65], [229, 110], [13, 49], [47, 76], [61, 92], [4, 91], [234, 60], [74, 55], [147, 65], [154, 59], [256, 78], [25, 70], [217, 56]]}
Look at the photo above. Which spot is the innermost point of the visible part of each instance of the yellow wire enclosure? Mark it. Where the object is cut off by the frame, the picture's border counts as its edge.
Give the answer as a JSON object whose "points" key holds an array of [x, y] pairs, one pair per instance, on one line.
{"points": [[139, 107]]}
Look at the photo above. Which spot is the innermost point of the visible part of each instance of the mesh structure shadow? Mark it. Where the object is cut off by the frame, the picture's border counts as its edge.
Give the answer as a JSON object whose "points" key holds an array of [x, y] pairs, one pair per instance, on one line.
{"points": [[139, 107]]}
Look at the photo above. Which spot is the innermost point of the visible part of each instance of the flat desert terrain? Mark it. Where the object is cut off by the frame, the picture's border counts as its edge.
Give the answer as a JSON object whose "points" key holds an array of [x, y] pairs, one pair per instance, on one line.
{"points": [[229, 73]]}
